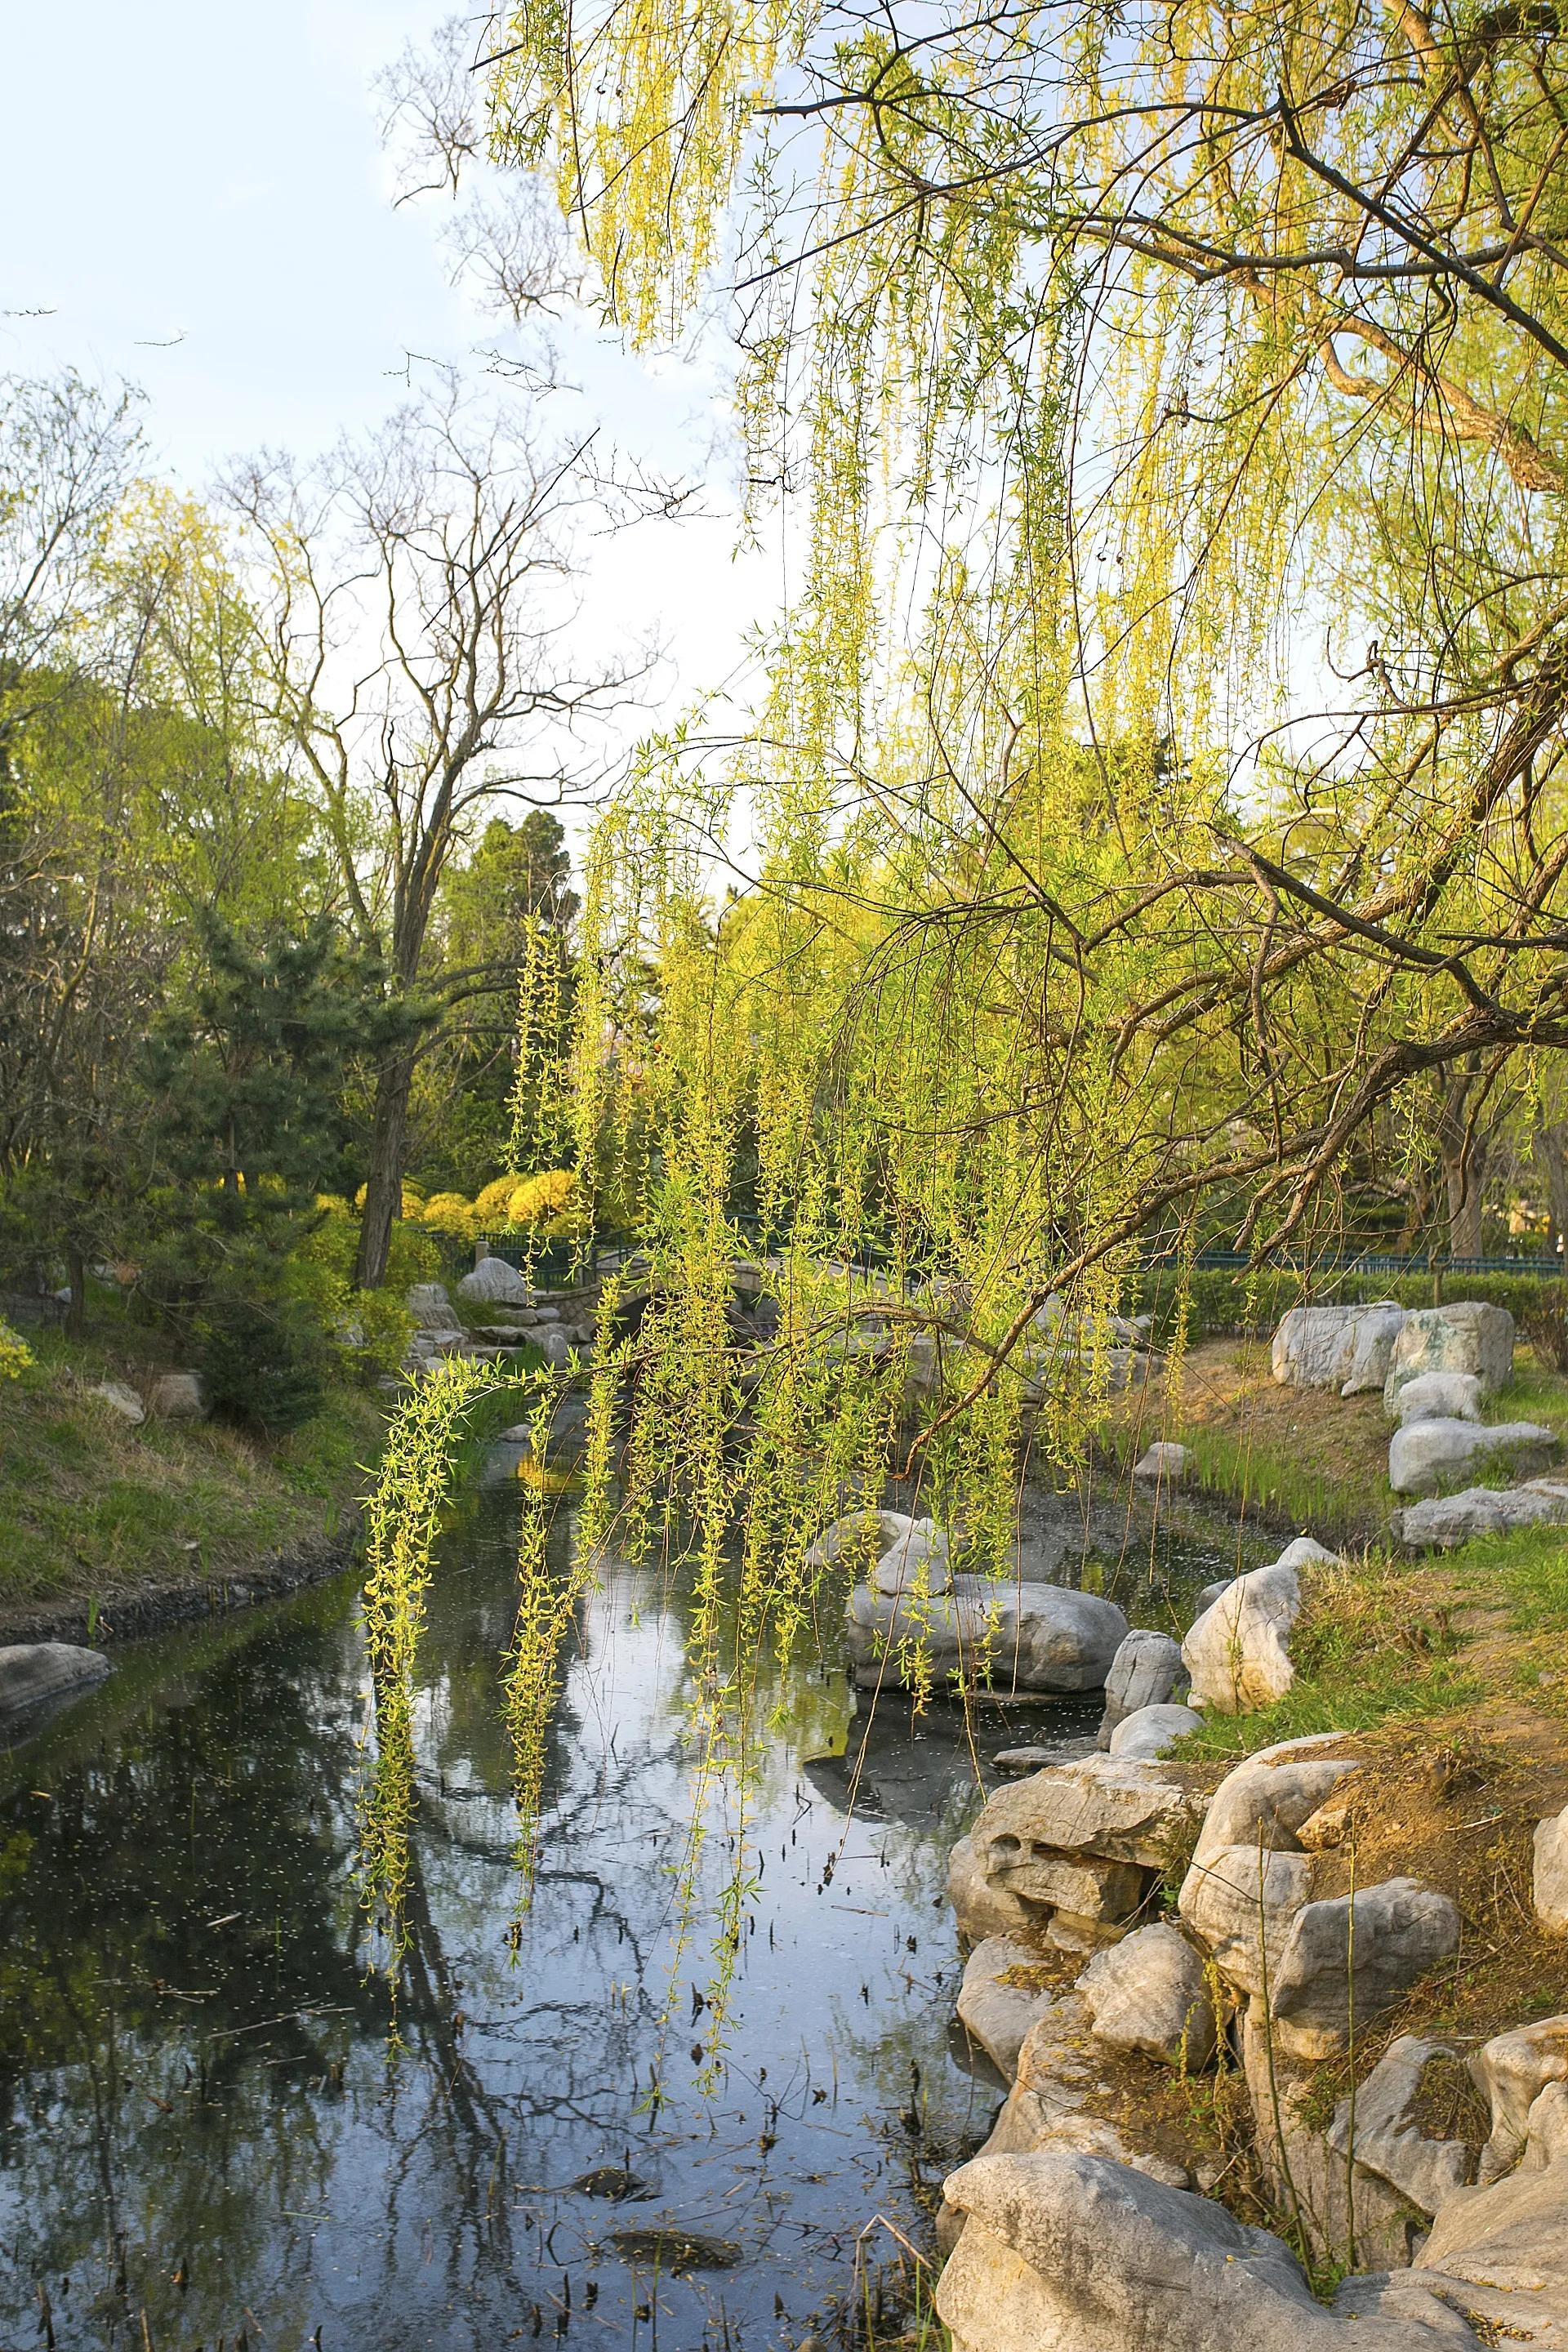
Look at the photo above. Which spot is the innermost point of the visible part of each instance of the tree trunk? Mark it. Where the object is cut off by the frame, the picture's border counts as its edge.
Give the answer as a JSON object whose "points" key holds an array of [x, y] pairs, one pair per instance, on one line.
{"points": [[1464, 1151], [383, 1184], [1548, 1144]]}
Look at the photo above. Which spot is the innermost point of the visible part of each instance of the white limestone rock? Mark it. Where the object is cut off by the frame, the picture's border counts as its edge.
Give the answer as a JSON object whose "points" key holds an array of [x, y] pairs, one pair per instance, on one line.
{"points": [[1443, 1522], [980, 1909], [1151, 1730], [918, 1558], [1305, 1551], [869, 1531], [1349, 1958], [1164, 1463], [1512, 2237], [1236, 1652], [1241, 1903], [1439, 1396], [1145, 1671], [1029, 1637], [1047, 1636], [997, 2014], [430, 1306], [1387, 2139], [1467, 1337], [1510, 2071], [1344, 1347], [1266, 1798], [1063, 2251], [122, 1401], [1546, 2129], [1427, 1455], [493, 1280], [1551, 1888], [1151, 1993], [1109, 1807], [178, 1396]]}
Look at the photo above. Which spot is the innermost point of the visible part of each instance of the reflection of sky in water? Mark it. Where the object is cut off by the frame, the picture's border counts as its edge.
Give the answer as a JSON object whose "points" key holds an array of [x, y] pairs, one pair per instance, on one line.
{"points": [[199, 2118]]}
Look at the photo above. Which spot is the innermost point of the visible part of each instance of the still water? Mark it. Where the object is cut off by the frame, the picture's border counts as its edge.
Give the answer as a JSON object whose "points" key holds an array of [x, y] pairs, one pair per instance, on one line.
{"points": [[215, 2126]]}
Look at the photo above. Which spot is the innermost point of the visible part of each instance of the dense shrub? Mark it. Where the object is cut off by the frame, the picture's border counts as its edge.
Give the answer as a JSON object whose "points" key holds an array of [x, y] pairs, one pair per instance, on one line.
{"points": [[263, 1353]]}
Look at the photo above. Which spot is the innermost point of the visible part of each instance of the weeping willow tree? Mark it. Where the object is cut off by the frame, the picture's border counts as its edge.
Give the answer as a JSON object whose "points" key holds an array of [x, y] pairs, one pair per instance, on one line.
{"points": [[1172, 398], [1159, 786]]}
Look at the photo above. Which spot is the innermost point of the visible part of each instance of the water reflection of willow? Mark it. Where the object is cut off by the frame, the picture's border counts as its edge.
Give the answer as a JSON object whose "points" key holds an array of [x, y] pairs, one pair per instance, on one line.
{"points": [[740, 1693], [403, 1519]]}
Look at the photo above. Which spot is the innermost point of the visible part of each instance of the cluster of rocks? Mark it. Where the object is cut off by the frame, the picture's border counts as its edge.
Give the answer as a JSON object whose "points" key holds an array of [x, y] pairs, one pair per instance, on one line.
{"points": [[1112, 1351], [561, 1325], [1436, 1367], [1072, 2229], [172, 1396]]}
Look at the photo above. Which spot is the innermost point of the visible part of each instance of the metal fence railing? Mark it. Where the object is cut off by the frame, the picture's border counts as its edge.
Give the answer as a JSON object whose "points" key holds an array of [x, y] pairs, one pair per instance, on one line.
{"points": [[558, 1265]]}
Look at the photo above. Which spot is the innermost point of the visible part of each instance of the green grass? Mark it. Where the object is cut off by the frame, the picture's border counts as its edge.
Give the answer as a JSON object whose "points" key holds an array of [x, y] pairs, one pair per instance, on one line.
{"points": [[1376, 1643], [1266, 1480], [89, 1508], [1380, 1641]]}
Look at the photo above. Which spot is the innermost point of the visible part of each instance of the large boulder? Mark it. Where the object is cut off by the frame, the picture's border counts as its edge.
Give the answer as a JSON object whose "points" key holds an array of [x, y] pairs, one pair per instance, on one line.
{"points": [[1105, 1806], [982, 1910], [1439, 1396], [1144, 1672], [1349, 1959], [1241, 1902], [1551, 1874], [178, 1396], [1267, 1798], [1305, 1551], [1151, 1993], [1235, 1653], [122, 1401], [1344, 1347], [915, 1560], [1512, 2239], [1023, 1637], [36, 1673], [1468, 1336], [1444, 1521], [1427, 1455], [1001, 1998], [494, 1281], [1063, 2251], [1382, 2132], [868, 1531], [1067, 2250], [1151, 1730], [430, 1306], [1510, 2071], [1249, 1874]]}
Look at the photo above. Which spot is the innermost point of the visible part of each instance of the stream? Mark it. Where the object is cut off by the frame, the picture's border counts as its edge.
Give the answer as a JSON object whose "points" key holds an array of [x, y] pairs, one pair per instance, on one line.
{"points": [[218, 2129]]}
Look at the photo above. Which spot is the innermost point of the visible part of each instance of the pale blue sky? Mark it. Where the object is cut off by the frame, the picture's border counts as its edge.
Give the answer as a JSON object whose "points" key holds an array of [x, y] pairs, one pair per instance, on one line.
{"points": [[215, 174]]}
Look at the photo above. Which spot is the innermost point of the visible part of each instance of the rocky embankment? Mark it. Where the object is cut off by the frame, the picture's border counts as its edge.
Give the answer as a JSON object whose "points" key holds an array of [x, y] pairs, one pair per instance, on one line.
{"points": [[1082, 2223], [1154, 1944]]}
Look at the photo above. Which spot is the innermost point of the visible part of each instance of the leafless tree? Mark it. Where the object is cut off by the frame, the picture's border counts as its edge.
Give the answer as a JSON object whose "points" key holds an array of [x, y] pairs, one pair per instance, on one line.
{"points": [[420, 614]]}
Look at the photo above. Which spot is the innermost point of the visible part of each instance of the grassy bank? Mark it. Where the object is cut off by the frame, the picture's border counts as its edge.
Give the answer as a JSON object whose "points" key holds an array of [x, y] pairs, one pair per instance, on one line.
{"points": [[1295, 1459], [94, 1513]]}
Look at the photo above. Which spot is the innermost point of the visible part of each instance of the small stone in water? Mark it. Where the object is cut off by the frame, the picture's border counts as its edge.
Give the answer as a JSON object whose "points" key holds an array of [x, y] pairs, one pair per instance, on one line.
{"points": [[611, 2180], [677, 2250]]}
